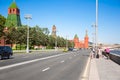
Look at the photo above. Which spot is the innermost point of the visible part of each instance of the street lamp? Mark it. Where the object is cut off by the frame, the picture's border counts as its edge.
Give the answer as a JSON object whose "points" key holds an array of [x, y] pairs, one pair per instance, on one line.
{"points": [[56, 41], [96, 24], [93, 39], [28, 17], [96, 27]]}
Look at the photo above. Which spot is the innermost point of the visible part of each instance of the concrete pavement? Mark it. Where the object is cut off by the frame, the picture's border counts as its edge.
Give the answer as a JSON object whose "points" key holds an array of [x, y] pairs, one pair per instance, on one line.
{"points": [[103, 69]]}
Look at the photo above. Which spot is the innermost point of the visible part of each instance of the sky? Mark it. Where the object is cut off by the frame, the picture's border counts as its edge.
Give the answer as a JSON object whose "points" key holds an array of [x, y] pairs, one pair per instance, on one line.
{"points": [[72, 17]]}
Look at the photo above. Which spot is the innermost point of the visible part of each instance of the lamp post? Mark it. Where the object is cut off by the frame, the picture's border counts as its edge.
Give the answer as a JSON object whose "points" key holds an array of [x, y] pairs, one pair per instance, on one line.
{"points": [[56, 43], [28, 17], [96, 25], [93, 39]]}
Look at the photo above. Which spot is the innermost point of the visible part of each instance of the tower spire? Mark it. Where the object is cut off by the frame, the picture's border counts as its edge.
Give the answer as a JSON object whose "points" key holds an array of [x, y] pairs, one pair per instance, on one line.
{"points": [[86, 33]]}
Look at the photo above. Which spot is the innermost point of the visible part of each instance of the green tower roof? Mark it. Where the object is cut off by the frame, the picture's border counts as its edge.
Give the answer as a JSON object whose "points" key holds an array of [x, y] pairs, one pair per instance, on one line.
{"points": [[13, 5], [75, 36]]}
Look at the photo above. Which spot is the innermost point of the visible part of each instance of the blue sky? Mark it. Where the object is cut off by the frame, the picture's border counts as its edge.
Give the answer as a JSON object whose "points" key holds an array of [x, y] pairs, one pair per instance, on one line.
{"points": [[72, 17]]}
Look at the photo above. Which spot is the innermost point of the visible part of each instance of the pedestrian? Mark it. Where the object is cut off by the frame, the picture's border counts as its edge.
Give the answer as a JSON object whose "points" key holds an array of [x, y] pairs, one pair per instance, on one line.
{"points": [[100, 52], [92, 53], [107, 51], [97, 53]]}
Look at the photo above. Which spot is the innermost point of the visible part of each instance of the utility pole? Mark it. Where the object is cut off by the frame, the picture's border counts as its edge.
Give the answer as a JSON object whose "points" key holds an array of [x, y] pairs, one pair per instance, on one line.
{"points": [[96, 25], [28, 17]]}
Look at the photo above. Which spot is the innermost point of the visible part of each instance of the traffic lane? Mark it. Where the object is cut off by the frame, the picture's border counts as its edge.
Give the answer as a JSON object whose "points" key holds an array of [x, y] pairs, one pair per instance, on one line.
{"points": [[28, 67], [50, 67], [30, 61], [69, 70], [26, 57]]}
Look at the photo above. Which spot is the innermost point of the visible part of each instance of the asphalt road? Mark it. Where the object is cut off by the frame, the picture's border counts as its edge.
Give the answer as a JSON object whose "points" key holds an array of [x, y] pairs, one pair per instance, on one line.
{"points": [[45, 66]]}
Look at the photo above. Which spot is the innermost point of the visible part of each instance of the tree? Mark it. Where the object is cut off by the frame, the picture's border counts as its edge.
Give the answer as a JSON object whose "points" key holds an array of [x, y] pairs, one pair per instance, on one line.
{"points": [[45, 31], [2, 23]]}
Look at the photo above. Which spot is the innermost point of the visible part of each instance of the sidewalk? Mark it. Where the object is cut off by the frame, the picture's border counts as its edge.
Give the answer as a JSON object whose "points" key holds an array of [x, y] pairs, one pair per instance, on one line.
{"points": [[103, 69]]}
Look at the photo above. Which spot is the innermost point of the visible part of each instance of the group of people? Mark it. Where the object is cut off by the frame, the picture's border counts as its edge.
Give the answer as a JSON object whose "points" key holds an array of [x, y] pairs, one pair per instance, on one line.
{"points": [[98, 53]]}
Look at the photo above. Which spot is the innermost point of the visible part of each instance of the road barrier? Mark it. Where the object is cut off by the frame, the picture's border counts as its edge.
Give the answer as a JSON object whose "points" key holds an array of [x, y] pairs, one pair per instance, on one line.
{"points": [[114, 57]]}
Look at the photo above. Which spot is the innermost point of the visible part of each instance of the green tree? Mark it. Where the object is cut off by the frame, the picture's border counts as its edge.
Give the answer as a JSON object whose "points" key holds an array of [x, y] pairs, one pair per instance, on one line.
{"points": [[2, 23], [45, 31]]}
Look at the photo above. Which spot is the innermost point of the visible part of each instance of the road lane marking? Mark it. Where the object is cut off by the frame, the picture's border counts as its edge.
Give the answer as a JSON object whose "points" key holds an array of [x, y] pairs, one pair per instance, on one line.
{"points": [[26, 62], [85, 75], [62, 61], [45, 69]]}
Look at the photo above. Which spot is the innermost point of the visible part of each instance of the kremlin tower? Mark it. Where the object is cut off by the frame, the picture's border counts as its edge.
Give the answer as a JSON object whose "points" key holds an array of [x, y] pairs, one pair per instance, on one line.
{"points": [[81, 44], [54, 31], [13, 18]]}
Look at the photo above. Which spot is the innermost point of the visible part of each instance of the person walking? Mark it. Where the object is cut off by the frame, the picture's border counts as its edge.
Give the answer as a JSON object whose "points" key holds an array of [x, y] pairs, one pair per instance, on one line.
{"points": [[107, 51], [92, 53], [100, 52], [97, 53]]}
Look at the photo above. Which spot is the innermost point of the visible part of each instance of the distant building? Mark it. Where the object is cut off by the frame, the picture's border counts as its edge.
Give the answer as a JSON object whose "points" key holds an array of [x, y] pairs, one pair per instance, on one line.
{"points": [[79, 43], [54, 31]]}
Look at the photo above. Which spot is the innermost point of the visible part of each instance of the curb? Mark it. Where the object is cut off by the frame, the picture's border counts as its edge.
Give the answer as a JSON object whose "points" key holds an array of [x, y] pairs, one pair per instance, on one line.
{"points": [[86, 72]]}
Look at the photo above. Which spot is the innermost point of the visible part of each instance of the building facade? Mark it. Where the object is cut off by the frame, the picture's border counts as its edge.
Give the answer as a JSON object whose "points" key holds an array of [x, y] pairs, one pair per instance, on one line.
{"points": [[81, 43]]}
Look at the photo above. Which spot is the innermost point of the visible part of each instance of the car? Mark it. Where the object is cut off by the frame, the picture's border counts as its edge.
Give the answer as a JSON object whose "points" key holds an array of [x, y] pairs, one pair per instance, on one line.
{"points": [[5, 51], [70, 49]]}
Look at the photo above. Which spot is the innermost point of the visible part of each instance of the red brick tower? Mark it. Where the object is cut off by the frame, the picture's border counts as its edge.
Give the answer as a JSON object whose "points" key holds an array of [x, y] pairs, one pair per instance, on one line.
{"points": [[76, 41], [86, 39], [54, 31], [13, 18]]}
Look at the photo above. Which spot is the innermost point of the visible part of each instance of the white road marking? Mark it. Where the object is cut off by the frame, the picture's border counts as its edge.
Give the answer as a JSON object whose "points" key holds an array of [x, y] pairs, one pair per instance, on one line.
{"points": [[86, 71], [62, 61], [26, 62], [45, 69]]}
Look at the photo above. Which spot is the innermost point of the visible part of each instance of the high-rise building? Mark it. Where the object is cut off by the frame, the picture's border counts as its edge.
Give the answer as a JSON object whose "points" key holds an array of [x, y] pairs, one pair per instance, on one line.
{"points": [[13, 18]]}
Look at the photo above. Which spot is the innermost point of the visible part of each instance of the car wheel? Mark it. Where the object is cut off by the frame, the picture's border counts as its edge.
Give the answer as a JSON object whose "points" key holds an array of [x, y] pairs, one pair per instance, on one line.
{"points": [[9, 56]]}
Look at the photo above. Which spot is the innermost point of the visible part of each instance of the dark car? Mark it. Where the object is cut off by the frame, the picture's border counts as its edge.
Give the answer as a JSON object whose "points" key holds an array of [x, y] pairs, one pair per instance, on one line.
{"points": [[5, 51], [70, 49]]}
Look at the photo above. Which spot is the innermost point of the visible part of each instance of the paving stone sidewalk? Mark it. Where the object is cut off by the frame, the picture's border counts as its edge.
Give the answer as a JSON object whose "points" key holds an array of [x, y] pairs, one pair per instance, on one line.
{"points": [[103, 69]]}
